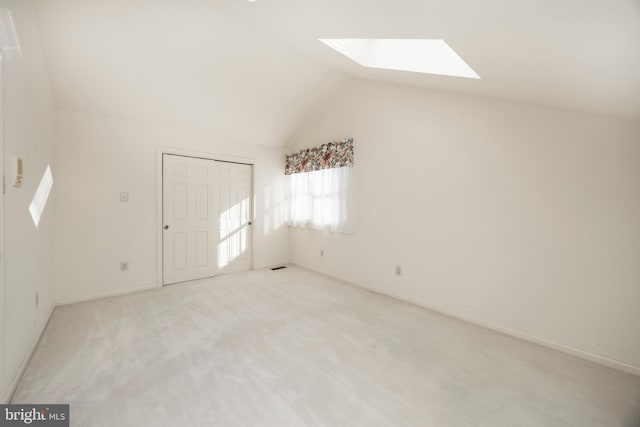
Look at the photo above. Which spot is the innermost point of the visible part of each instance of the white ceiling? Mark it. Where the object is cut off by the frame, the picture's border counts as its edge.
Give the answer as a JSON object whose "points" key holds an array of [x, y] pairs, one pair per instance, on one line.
{"points": [[254, 69]]}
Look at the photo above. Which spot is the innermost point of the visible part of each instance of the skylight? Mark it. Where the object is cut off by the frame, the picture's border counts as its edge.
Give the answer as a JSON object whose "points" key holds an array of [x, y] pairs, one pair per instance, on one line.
{"points": [[432, 56]]}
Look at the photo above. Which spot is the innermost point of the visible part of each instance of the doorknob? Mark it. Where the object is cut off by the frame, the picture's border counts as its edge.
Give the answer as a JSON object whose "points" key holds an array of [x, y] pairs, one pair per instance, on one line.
{"points": [[166, 227], [249, 222]]}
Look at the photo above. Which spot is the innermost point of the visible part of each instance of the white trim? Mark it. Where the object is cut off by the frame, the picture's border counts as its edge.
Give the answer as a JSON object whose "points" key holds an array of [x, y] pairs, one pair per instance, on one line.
{"points": [[582, 354], [106, 295], [2, 253], [23, 367], [203, 155]]}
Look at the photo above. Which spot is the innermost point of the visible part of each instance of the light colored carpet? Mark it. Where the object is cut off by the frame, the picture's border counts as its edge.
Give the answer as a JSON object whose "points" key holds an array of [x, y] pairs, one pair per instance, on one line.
{"points": [[294, 348]]}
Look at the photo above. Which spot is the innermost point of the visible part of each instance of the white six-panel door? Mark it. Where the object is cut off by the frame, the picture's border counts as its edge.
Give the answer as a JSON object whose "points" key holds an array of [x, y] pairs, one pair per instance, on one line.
{"points": [[189, 218], [206, 210], [234, 217]]}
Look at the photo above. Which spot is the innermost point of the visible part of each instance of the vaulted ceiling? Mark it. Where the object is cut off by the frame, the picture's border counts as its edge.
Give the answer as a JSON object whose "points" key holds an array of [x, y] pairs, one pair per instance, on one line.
{"points": [[254, 69]]}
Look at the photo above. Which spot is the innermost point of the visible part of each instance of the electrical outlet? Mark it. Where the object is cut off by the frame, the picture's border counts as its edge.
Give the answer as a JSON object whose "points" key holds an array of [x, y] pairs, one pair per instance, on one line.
{"points": [[321, 252], [124, 266], [398, 270], [124, 196]]}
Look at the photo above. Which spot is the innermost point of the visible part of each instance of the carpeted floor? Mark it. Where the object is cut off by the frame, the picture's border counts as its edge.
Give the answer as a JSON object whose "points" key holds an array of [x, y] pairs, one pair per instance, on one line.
{"points": [[294, 348]]}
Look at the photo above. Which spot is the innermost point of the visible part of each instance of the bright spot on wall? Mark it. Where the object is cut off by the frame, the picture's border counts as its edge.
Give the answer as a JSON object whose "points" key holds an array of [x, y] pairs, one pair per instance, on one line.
{"points": [[42, 195], [9, 42]]}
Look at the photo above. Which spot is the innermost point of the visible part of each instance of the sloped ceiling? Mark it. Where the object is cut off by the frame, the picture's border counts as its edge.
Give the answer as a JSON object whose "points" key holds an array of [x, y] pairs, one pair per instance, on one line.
{"points": [[253, 69], [181, 63]]}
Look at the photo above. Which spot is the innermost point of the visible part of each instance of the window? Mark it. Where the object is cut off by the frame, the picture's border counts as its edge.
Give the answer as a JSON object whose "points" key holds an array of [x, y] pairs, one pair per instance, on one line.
{"points": [[433, 56], [319, 182]]}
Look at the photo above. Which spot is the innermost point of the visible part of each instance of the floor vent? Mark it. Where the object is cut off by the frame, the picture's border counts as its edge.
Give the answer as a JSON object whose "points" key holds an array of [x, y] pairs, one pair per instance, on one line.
{"points": [[278, 268]]}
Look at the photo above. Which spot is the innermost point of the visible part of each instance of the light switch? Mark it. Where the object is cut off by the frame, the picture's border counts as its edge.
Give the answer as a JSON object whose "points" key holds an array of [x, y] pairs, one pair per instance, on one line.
{"points": [[124, 196], [16, 171]]}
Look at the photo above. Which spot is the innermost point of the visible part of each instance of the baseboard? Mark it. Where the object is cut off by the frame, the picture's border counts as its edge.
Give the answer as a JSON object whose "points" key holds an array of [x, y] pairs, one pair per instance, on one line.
{"points": [[582, 354], [106, 295], [14, 384], [270, 266]]}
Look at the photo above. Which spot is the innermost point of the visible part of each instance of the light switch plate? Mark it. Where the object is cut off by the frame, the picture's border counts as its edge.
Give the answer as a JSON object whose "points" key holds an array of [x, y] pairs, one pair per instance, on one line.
{"points": [[16, 171]]}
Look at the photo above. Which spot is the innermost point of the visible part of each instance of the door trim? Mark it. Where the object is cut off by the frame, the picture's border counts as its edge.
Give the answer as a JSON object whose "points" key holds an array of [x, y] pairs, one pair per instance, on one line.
{"points": [[201, 155], [3, 396]]}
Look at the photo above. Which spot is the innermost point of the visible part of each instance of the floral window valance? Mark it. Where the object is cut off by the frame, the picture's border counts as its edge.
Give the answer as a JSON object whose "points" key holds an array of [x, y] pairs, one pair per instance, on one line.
{"points": [[331, 155]]}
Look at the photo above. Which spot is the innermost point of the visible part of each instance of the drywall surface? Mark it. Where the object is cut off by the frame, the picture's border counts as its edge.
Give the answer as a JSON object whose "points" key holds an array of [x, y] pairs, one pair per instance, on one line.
{"points": [[28, 250], [521, 218], [225, 73], [98, 158]]}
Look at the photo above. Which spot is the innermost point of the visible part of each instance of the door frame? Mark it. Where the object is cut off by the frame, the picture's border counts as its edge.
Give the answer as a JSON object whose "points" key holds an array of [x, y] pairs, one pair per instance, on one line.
{"points": [[201, 155], [2, 254]]}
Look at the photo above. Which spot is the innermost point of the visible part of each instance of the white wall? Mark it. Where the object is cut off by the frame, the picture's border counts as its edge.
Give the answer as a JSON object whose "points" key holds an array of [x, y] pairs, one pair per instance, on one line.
{"points": [[27, 249], [97, 158], [521, 218]]}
